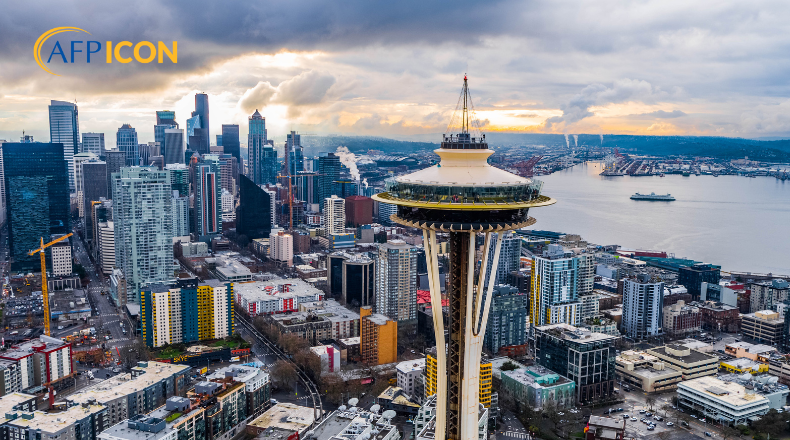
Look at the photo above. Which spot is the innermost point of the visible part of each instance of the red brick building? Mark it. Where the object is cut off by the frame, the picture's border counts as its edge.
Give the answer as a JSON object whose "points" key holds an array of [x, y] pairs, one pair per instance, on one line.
{"points": [[718, 316], [359, 210]]}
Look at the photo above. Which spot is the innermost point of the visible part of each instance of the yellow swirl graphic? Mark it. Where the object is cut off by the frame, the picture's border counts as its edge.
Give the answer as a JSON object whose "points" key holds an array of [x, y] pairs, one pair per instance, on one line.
{"points": [[43, 38]]}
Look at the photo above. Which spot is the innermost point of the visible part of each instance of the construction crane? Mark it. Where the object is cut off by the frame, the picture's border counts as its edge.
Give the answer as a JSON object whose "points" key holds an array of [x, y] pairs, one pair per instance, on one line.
{"points": [[42, 251], [525, 169]]}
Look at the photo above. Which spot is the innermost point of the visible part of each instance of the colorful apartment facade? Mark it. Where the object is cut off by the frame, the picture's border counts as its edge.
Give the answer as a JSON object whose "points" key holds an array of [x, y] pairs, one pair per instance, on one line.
{"points": [[187, 311]]}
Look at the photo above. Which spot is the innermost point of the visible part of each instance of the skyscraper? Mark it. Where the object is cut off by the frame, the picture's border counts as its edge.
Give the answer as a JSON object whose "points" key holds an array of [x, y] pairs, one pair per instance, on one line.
{"points": [[208, 202], [93, 143], [334, 215], [396, 280], [126, 140], [64, 128], [94, 188], [174, 145], [147, 152], [79, 158], [293, 143], [509, 256], [180, 215], [229, 168], [165, 120], [230, 140], [179, 178], [328, 171], [166, 117], [263, 157], [555, 282], [37, 198], [115, 161], [142, 210], [200, 139], [692, 277], [643, 307], [254, 214], [507, 320]]}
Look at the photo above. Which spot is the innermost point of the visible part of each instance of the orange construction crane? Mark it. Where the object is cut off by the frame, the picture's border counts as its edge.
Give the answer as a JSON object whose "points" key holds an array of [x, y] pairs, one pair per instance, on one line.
{"points": [[44, 292]]}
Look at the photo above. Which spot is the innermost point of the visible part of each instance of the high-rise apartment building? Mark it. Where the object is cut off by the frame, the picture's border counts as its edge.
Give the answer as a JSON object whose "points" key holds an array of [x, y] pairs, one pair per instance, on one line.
{"points": [[507, 319], [254, 216], [208, 198], [396, 280], [148, 152], [94, 188], [64, 128], [115, 161], [126, 141], [180, 216], [228, 207], [281, 247], [262, 155], [100, 212], [359, 210], [179, 178], [643, 307], [554, 297], [385, 211], [37, 198], [229, 170], [79, 158], [328, 173], [509, 255], [334, 220], [231, 141], [186, 311], [142, 210], [93, 143], [165, 120], [199, 136]]}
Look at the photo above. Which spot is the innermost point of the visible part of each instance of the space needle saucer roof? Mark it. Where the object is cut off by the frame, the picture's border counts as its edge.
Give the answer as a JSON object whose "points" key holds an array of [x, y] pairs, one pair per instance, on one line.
{"points": [[464, 181]]}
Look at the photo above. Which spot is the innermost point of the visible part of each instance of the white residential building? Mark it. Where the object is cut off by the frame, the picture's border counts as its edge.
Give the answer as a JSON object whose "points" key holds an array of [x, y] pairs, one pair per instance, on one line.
{"points": [[334, 221], [281, 247], [409, 374], [106, 243], [643, 307], [396, 281], [228, 206]]}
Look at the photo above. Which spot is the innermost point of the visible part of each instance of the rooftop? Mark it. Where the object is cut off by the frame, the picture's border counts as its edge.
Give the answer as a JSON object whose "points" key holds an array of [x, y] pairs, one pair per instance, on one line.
{"points": [[683, 354], [378, 319], [124, 384], [44, 343], [275, 289], [575, 334], [409, 366], [743, 364], [57, 421], [9, 401], [288, 416], [126, 430], [329, 309], [536, 376], [732, 393]]}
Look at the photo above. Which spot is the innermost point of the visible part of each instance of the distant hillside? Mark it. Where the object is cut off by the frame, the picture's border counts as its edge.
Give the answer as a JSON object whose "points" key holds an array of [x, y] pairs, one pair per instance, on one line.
{"points": [[361, 144]]}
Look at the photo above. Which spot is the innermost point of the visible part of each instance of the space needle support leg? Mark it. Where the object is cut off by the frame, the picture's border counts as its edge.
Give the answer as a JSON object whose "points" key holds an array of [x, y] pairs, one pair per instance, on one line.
{"points": [[429, 237]]}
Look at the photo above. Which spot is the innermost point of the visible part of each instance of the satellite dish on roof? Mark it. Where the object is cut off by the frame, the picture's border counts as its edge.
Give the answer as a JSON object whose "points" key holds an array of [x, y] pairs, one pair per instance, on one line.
{"points": [[342, 407], [375, 408], [389, 414], [353, 401]]}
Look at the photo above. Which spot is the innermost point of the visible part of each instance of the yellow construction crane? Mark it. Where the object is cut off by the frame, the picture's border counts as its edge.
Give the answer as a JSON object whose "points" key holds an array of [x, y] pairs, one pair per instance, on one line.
{"points": [[44, 291]]}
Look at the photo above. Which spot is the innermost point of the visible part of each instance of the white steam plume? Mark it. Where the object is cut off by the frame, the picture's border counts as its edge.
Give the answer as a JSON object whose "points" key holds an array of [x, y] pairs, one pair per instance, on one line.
{"points": [[567, 142], [348, 159], [576, 139], [365, 182], [601, 139]]}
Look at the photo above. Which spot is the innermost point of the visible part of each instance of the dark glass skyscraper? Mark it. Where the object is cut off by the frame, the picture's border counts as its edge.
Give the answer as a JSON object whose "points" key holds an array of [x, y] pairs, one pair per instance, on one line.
{"points": [[329, 171], [230, 140], [253, 216], [165, 119], [115, 161], [94, 187], [37, 198], [173, 150], [293, 144], [126, 139], [199, 139]]}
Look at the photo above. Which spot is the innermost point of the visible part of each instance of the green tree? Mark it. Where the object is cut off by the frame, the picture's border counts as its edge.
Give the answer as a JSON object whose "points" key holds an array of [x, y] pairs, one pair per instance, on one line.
{"points": [[284, 374], [650, 401], [771, 423], [509, 366]]}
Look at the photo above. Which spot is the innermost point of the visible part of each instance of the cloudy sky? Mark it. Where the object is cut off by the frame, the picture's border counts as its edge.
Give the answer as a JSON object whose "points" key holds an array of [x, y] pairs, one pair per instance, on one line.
{"points": [[395, 68]]}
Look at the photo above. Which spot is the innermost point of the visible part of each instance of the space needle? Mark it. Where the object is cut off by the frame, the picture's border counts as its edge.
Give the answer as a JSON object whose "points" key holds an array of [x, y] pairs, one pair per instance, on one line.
{"points": [[462, 196]]}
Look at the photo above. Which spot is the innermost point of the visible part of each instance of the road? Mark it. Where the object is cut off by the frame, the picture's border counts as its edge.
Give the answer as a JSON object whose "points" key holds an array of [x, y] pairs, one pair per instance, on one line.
{"points": [[106, 315], [269, 350]]}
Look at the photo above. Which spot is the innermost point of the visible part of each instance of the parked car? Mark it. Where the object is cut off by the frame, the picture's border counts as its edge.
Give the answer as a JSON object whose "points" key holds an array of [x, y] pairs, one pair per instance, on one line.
{"points": [[708, 434], [650, 428]]}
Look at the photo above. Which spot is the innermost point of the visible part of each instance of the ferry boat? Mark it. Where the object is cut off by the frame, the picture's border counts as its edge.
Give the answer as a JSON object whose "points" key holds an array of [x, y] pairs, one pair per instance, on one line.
{"points": [[653, 197]]}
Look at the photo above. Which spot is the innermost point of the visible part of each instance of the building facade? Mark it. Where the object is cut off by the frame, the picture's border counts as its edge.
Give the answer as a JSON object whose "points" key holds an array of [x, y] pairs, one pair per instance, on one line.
{"points": [[643, 308], [378, 337], [396, 281], [555, 282], [208, 202], [507, 319], [64, 128]]}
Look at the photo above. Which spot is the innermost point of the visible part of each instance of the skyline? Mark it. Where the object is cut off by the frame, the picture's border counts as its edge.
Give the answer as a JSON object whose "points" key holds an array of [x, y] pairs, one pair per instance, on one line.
{"points": [[632, 68]]}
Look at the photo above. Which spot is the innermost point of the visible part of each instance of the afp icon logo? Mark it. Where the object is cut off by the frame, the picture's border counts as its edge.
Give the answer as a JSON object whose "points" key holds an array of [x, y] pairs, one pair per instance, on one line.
{"points": [[90, 51]]}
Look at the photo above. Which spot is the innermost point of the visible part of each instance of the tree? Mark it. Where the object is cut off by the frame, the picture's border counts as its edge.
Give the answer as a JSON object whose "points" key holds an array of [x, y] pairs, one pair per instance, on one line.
{"points": [[136, 352], [650, 401], [666, 408], [728, 432], [310, 363], [508, 366], [771, 423], [284, 374]]}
